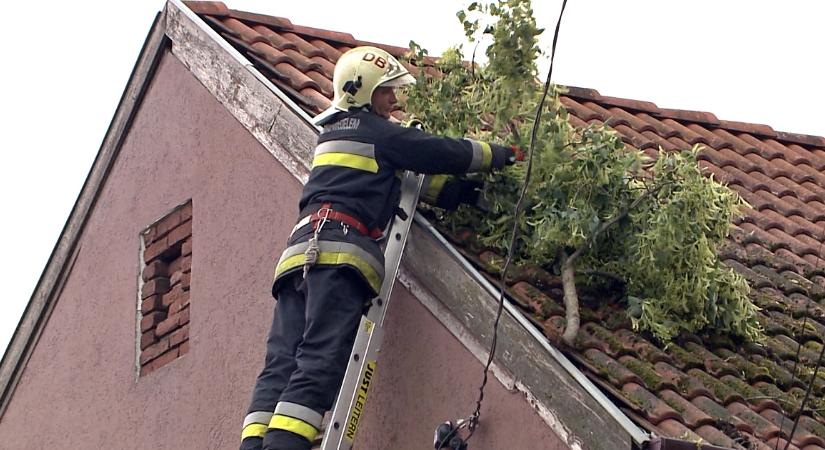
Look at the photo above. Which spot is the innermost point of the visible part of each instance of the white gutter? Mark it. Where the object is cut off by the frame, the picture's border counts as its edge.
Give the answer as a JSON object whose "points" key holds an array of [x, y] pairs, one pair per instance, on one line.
{"points": [[637, 434]]}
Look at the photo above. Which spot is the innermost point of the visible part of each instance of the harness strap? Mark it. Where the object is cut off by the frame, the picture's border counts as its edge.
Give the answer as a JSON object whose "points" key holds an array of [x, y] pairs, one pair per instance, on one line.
{"points": [[326, 212]]}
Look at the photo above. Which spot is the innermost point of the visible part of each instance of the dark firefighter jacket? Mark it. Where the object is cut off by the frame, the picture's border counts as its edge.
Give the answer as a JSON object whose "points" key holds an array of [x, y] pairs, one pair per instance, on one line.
{"points": [[356, 167]]}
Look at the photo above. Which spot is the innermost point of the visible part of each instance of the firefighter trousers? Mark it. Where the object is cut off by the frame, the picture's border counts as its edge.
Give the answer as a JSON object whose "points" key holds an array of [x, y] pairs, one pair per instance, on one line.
{"points": [[307, 352]]}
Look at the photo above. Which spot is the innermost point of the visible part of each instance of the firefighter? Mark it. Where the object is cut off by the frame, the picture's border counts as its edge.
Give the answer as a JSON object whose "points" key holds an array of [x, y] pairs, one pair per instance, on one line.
{"points": [[332, 266]]}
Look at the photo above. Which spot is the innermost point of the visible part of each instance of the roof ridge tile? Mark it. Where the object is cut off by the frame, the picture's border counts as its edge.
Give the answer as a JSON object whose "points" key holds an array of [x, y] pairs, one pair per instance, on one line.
{"points": [[798, 138], [337, 36], [637, 105], [581, 93], [702, 117], [210, 8], [750, 128], [273, 21]]}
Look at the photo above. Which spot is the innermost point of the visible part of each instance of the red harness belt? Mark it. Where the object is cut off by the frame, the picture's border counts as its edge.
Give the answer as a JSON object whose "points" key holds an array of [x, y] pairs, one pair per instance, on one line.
{"points": [[326, 212]]}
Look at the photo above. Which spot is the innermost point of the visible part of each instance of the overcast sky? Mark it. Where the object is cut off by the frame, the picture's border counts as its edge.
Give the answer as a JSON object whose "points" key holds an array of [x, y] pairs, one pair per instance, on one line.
{"points": [[65, 64]]}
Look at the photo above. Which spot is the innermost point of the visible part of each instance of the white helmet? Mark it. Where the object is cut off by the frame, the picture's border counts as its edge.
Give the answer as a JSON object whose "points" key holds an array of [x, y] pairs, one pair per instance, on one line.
{"points": [[358, 72]]}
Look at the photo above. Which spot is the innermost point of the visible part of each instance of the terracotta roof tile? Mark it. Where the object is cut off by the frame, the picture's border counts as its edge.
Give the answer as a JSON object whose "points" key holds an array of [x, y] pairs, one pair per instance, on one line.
{"points": [[654, 409], [660, 127], [275, 39], [679, 390], [692, 416], [678, 430], [714, 436], [303, 46], [243, 31]]}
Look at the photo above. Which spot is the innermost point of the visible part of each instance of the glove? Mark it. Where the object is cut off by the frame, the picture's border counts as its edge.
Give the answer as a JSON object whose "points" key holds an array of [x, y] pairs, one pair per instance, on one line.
{"points": [[456, 192], [515, 155]]}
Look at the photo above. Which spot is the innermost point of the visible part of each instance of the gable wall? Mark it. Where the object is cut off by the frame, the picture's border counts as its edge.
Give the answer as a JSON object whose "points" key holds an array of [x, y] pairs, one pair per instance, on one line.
{"points": [[79, 389]]}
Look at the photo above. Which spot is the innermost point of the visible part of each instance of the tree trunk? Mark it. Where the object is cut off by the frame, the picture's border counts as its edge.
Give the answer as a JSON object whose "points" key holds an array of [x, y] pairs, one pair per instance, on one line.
{"points": [[571, 298]]}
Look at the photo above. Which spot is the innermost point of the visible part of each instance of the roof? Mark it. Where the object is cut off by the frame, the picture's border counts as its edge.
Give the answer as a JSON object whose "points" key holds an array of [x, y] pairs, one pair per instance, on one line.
{"points": [[710, 388]]}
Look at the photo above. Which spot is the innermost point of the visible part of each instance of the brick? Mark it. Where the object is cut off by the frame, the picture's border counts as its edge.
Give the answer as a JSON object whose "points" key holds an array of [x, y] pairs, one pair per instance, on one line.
{"points": [[184, 316], [175, 294], [165, 358], [152, 303], [150, 320], [185, 281], [149, 235], [168, 325], [186, 263], [184, 348], [180, 264], [179, 336], [155, 269], [154, 350], [155, 286], [148, 338], [156, 250], [180, 233], [186, 248], [175, 277], [186, 211], [168, 223], [178, 305]]}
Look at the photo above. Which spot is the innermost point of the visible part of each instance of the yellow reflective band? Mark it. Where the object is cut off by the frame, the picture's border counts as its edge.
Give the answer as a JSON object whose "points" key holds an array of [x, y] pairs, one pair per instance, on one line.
{"points": [[434, 185], [253, 430], [486, 155], [333, 258], [346, 160], [296, 426]]}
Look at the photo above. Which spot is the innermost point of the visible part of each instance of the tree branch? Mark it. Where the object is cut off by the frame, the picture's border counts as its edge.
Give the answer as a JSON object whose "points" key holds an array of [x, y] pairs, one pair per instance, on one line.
{"points": [[621, 215], [571, 298]]}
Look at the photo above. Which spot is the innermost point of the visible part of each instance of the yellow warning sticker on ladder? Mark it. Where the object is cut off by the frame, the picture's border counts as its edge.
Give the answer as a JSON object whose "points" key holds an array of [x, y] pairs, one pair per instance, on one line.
{"points": [[368, 325], [360, 400]]}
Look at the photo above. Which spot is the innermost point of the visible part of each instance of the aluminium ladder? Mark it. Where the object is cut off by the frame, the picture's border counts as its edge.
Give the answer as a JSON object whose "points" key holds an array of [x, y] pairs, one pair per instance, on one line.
{"points": [[349, 406]]}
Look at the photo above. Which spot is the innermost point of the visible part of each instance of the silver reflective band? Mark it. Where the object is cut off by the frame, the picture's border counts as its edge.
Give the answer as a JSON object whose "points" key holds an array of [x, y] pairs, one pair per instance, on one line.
{"points": [[299, 412], [478, 156], [351, 147], [261, 417], [335, 247]]}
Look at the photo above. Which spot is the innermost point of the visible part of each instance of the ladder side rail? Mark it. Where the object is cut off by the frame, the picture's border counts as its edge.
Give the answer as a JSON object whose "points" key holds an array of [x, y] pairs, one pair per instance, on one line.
{"points": [[340, 432]]}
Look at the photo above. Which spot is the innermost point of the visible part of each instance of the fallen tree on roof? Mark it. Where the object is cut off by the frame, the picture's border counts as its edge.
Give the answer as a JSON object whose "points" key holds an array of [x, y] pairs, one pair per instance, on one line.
{"points": [[595, 209]]}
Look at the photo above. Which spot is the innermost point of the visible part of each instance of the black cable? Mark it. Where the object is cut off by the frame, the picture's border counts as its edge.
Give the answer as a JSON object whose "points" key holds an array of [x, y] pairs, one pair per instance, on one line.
{"points": [[474, 418]]}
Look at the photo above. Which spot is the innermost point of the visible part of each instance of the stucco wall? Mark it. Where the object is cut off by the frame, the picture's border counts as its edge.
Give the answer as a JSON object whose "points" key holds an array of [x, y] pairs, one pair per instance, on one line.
{"points": [[79, 389]]}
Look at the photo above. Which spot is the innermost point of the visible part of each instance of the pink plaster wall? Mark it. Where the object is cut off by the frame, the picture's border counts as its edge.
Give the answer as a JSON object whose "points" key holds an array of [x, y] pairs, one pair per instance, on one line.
{"points": [[79, 390]]}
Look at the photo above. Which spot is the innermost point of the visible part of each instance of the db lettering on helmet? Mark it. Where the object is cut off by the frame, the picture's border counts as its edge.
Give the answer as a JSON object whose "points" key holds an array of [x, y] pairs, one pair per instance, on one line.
{"points": [[377, 60]]}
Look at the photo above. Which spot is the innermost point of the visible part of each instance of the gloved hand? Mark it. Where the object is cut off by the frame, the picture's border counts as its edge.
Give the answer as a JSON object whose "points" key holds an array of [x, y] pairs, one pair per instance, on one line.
{"points": [[458, 191], [515, 155]]}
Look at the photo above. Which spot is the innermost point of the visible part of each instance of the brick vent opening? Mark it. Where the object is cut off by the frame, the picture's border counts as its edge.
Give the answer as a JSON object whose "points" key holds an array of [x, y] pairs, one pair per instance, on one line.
{"points": [[164, 304]]}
